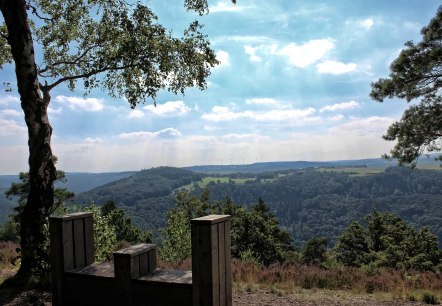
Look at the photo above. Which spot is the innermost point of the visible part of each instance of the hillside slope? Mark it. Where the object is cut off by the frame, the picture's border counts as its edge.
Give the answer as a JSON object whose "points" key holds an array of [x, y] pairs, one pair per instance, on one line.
{"points": [[308, 202]]}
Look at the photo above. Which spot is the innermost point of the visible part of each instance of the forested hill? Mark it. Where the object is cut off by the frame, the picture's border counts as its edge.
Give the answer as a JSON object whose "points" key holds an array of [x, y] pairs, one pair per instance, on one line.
{"points": [[309, 202], [146, 195]]}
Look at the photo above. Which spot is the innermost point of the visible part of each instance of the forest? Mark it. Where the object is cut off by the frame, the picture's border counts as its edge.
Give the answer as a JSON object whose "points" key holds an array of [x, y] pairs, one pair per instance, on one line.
{"points": [[312, 202]]}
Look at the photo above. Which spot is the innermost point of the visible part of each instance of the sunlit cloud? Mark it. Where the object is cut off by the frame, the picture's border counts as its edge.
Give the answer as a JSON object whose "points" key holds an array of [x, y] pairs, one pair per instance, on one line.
{"points": [[334, 67], [136, 113], [366, 23], [75, 103], [170, 108], [293, 116], [309, 53], [251, 52], [223, 58], [340, 106], [165, 133], [262, 101], [225, 6]]}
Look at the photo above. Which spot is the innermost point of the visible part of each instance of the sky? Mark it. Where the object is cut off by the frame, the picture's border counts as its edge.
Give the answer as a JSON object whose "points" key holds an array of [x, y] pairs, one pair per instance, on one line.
{"points": [[293, 84]]}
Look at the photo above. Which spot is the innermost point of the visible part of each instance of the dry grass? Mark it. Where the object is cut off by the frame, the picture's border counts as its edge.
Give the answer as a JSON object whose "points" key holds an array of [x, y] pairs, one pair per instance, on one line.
{"points": [[282, 279], [295, 278], [9, 262]]}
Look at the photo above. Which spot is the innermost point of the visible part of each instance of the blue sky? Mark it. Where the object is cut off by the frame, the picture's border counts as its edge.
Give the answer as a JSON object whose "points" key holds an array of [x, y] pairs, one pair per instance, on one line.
{"points": [[293, 84]]}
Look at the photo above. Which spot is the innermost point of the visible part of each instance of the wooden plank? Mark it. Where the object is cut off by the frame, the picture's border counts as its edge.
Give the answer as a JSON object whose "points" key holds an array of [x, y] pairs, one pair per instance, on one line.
{"points": [[122, 269], [79, 253], [89, 239], [135, 266], [152, 259], [227, 246], [214, 261], [68, 246], [221, 263], [56, 259], [144, 264], [196, 263]]}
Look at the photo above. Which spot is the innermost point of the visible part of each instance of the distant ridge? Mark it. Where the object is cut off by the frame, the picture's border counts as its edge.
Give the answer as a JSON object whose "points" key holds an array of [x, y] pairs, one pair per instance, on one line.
{"points": [[286, 165]]}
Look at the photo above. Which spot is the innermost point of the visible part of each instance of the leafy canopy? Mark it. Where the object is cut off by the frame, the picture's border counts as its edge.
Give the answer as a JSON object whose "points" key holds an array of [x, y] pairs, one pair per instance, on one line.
{"points": [[255, 233], [416, 73], [117, 46], [389, 242]]}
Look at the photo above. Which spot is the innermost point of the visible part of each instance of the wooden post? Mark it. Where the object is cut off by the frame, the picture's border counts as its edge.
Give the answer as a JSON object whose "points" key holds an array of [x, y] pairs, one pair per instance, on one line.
{"points": [[132, 262], [71, 247], [211, 270]]}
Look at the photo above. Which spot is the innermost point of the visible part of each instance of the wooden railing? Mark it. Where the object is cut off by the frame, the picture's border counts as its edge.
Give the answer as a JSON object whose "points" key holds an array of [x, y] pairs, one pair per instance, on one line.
{"points": [[133, 278]]}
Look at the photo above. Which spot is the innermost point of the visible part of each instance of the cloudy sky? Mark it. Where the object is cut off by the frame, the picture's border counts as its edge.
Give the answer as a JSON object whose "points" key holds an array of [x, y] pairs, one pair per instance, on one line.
{"points": [[293, 84]]}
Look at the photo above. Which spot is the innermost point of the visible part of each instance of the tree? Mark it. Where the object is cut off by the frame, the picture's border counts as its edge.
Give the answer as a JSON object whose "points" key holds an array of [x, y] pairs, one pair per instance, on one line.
{"points": [[416, 73], [389, 242], [314, 251], [255, 233], [113, 45], [124, 229], [353, 247], [20, 191]]}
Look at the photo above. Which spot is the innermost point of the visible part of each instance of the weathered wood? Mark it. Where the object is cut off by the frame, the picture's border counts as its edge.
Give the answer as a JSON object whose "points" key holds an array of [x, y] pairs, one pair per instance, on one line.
{"points": [[89, 240], [127, 267], [68, 246], [69, 249], [210, 258], [79, 253], [133, 278]]}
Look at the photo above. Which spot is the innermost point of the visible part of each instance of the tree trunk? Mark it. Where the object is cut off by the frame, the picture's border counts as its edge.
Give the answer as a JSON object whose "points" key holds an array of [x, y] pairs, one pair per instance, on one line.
{"points": [[34, 102]]}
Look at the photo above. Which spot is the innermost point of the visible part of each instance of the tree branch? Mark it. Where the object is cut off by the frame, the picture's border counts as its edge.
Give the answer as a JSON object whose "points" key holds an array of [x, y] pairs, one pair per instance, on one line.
{"points": [[34, 11], [88, 74], [74, 62]]}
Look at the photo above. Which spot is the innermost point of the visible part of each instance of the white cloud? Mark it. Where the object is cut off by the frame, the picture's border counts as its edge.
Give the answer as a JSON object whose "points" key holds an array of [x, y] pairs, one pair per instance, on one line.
{"points": [[306, 54], [11, 128], [8, 99], [334, 67], [225, 6], [366, 23], [136, 113], [223, 58], [340, 106], [170, 108], [52, 110], [97, 140], [293, 116], [165, 133], [87, 104], [251, 52], [262, 101], [364, 126], [9, 113], [245, 137]]}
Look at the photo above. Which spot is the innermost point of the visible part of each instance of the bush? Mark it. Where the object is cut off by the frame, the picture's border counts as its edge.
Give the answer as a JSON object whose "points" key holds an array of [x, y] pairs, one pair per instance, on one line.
{"points": [[429, 298]]}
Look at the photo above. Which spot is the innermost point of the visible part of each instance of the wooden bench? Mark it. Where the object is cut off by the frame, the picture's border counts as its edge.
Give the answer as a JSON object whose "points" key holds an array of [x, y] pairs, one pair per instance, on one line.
{"points": [[133, 277]]}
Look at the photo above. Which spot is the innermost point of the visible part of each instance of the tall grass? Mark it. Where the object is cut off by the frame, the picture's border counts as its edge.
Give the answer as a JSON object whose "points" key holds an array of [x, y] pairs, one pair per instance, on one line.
{"points": [[291, 278]]}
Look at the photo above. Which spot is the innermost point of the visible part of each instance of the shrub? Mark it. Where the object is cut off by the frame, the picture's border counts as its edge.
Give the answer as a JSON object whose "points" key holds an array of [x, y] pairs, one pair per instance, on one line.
{"points": [[429, 298]]}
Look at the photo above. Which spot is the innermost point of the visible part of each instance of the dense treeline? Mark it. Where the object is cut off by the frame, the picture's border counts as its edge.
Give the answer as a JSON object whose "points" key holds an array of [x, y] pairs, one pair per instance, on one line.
{"points": [[146, 196], [307, 202], [387, 241], [310, 203]]}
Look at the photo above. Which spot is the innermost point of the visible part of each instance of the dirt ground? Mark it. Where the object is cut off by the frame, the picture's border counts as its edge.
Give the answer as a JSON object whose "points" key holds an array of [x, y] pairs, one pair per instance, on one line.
{"points": [[317, 298], [10, 297]]}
